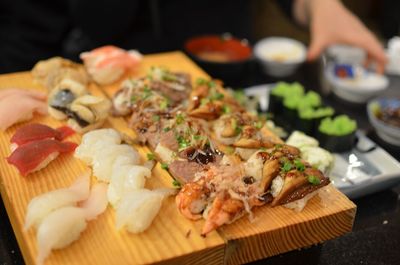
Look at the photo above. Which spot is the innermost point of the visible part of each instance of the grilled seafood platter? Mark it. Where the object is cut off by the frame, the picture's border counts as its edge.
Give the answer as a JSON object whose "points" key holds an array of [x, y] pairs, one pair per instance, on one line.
{"points": [[223, 158]]}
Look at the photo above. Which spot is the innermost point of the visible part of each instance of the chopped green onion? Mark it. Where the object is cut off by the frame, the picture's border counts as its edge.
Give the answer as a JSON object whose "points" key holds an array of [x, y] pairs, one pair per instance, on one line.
{"points": [[299, 165], [179, 119], [211, 84], [313, 180], [151, 156], [226, 109], [164, 166], [258, 124], [133, 99], [164, 104], [155, 118], [182, 142], [287, 166], [176, 184], [146, 92], [166, 129], [201, 81], [197, 137], [217, 96], [204, 101]]}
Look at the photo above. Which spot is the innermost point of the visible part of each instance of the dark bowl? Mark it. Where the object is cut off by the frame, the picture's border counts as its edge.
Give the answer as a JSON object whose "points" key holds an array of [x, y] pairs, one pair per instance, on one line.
{"points": [[221, 56]]}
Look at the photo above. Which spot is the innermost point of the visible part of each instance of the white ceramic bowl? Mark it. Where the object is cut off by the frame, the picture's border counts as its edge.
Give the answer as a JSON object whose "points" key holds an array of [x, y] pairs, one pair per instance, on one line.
{"points": [[358, 90], [387, 132], [279, 56]]}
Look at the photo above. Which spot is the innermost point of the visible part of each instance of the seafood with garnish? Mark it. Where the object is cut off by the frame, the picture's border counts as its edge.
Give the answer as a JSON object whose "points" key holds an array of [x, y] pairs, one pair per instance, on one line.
{"points": [[224, 159]]}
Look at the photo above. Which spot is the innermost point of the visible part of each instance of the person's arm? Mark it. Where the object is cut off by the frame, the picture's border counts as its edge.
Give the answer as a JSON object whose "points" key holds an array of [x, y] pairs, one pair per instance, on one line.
{"points": [[331, 23]]}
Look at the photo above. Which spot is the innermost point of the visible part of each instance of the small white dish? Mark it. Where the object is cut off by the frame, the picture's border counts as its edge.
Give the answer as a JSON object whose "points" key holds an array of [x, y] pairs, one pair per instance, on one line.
{"points": [[358, 89], [280, 56], [386, 132]]}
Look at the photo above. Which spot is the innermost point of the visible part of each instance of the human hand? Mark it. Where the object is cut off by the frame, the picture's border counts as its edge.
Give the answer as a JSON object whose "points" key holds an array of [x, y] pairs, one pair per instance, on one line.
{"points": [[331, 23]]}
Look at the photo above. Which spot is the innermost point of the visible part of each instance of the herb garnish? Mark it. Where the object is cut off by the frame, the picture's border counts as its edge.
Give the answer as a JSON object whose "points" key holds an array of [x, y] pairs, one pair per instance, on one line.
{"points": [[182, 142], [226, 109], [164, 166], [299, 165], [176, 184], [179, 119], [164, 104], [146, 92], [287, 166], [166, 129], [201, 81], [151, 156], [155, 118], [313, 180], [133, 99]]}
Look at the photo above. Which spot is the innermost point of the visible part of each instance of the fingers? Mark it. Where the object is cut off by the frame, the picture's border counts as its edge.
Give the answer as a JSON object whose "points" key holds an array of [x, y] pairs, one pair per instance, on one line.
{"points": [[375, 53], [317, 46]]}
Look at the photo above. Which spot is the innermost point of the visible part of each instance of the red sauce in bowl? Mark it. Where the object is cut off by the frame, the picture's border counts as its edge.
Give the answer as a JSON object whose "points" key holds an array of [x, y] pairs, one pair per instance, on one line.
{"points": [[218, 49]]}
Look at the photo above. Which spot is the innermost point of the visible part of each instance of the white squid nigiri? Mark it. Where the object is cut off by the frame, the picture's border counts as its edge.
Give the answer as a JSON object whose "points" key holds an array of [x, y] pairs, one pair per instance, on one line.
{"points": [[59, 229], [124, 179], [97, 202], [40, 206], [103, 161], [64, 225], [138, 208], [94, 141]]}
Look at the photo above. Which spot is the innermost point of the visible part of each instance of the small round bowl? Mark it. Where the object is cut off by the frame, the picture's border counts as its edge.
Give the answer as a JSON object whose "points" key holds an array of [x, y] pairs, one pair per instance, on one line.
{"points": [[389, 133], [359, 89], [280, 56], [222, 56]]}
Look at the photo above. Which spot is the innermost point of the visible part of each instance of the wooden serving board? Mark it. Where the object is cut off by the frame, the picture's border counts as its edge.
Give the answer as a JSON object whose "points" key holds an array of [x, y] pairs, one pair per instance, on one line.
{"points": [[171, 239]]}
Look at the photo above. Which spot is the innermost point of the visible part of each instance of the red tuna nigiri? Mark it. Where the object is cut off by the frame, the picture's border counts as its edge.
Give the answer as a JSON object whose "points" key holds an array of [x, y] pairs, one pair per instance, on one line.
{"points": [[35, 131], [36, 155]]}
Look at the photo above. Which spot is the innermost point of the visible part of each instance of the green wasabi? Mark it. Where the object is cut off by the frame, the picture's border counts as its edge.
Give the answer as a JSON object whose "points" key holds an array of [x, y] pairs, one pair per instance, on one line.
{"points": [[310, 113], [341, 125], [283, 90]]}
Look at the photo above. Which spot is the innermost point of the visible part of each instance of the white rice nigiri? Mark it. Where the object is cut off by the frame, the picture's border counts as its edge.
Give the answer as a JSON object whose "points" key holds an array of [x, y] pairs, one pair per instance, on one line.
{"points": [[94, 142], [42, 205], [103, 161], [138, 208], [59, 229], [124, 179]]}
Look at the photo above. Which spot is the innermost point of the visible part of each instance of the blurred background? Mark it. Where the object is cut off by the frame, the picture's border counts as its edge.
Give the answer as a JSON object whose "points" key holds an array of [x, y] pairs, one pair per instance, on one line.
{"points": [[67, 28]]}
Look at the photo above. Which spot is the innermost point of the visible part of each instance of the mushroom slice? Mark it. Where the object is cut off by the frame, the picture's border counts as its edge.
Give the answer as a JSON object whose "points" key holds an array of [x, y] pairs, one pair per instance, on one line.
{"points": [[270, 171], [230, 128], [209, 111], [196, 96]]}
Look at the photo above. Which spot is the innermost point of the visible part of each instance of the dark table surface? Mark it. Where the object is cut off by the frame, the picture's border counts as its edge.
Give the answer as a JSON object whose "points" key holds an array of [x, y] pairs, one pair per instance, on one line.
{"points": [[375, 238]]}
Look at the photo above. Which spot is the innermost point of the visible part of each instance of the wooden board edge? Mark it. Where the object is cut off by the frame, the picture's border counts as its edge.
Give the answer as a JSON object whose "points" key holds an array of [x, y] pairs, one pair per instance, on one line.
{"points": [[26, 253], [259, 246], [210, 256]]}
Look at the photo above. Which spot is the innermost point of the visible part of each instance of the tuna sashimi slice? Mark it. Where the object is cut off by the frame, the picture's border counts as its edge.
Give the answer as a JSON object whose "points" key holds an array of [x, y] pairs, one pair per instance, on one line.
{"points": [[37, 131], [36, 155]]}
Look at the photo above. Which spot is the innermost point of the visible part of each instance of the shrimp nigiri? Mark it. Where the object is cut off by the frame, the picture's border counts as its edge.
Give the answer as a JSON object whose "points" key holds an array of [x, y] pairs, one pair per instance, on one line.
{"points": [[38, 154], [16, 108], [36, 131], [108, 63]]}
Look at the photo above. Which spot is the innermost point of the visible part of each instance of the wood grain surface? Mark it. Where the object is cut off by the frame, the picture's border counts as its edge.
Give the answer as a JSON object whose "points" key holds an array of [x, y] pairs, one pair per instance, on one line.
{"points": [[171, 239]]}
